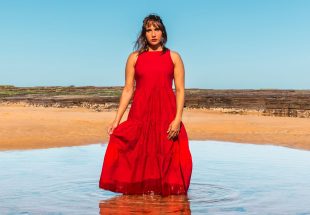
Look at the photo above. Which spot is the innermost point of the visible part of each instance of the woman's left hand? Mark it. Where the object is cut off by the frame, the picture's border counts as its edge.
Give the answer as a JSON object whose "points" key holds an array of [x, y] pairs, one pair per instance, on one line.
{"points": [[174, 129]]}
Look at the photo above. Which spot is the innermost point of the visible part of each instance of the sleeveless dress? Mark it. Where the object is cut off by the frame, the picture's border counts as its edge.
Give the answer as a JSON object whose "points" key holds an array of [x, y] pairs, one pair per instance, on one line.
{"points": [[140, 159]]}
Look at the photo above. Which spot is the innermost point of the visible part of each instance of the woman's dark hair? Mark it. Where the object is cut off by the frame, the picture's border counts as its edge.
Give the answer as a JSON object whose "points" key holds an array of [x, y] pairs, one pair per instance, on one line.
{"points": [[141, 44]]}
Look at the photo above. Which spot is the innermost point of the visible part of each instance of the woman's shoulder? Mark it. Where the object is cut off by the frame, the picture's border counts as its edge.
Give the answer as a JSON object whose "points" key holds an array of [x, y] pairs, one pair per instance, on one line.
{"points": [[133, 54], [175, 56], [132, 57], [175, 53]]}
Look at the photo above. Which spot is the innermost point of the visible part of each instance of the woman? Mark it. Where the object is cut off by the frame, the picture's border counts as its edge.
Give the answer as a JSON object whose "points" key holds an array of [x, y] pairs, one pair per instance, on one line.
{"points": [[149, 152]]}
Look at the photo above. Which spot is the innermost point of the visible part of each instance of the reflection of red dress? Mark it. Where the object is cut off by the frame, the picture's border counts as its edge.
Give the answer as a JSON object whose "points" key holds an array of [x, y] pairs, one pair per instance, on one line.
{"points": [[140, 159]]}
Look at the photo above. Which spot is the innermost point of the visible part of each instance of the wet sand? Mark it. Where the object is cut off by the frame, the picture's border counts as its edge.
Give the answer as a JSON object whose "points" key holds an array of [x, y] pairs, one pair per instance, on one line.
{"points": [[39, 127]]}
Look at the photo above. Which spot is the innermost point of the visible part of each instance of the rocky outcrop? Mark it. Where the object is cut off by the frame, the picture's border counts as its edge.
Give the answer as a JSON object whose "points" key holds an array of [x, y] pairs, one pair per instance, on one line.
{"points": [[292, 103]]}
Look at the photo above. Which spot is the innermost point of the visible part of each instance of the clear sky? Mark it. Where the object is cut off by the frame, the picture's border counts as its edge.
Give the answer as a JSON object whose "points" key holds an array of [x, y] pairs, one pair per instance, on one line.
{"points": [[224, 44]]}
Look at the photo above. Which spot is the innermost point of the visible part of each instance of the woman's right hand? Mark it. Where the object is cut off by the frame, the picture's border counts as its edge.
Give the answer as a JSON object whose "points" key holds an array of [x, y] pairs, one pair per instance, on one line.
{"points": [[111, 127]]}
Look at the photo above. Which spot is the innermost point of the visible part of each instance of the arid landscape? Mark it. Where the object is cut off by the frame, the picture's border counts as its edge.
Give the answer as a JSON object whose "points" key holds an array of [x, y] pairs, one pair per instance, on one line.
{"points": [[291, 103], [41, 117]]}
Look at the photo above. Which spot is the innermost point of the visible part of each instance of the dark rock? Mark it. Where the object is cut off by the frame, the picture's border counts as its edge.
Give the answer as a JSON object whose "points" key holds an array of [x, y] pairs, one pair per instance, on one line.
{"points": [[292, 103]]}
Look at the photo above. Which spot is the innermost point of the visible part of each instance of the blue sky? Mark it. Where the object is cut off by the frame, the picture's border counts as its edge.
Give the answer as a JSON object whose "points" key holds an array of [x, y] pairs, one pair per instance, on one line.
{"points": [[224, 44]]}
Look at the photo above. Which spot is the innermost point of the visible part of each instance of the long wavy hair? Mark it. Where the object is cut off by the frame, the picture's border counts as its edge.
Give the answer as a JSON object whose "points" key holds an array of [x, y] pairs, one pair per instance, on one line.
{"points": [[141, 44]]}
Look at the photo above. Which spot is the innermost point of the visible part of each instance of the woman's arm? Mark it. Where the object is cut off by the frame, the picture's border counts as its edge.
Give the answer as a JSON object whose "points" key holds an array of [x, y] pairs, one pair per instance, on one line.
{"points": [[127, 92], [128, 89], [179, 76]]}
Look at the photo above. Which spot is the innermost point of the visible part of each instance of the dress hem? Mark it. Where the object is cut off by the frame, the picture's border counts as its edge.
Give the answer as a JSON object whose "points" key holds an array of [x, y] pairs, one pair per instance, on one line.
{"points": [[145, 187]]}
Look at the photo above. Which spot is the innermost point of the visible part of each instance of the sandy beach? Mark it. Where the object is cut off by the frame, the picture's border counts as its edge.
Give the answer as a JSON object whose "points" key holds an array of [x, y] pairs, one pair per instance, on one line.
{"points": [[40, 127]]}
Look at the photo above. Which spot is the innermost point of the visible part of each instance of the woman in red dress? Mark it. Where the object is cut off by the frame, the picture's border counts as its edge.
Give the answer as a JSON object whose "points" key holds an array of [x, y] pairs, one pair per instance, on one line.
{"points": [[149, 152]]}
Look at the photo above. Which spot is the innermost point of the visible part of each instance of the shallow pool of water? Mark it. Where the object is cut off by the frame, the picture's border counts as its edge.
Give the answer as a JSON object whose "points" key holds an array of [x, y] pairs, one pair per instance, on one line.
{"points": [[227, 178]]}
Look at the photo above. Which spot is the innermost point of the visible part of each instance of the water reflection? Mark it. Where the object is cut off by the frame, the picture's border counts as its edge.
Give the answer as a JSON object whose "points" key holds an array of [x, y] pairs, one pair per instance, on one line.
{"points": [[145, 204], [228, 178]]}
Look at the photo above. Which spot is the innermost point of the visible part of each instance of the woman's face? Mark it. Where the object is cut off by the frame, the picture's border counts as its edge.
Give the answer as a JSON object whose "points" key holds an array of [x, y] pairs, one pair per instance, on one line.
{"points": [[153, 34]]}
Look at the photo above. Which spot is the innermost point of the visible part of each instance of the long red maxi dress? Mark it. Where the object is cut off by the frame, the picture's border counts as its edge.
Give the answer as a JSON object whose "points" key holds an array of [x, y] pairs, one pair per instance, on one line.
{"points": [[140, 159]]}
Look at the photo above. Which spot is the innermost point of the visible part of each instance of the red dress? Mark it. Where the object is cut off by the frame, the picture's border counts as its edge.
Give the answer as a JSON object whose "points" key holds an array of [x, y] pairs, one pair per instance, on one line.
{"points": [[140, 159]]}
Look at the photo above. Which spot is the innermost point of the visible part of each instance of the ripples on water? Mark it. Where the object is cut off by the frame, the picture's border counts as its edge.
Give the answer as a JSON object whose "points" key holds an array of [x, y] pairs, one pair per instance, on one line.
{"points": [[227, 178]]}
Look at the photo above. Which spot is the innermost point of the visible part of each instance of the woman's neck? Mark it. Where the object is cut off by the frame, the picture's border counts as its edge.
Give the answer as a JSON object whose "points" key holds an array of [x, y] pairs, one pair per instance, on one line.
{"points": [[150, 49]]}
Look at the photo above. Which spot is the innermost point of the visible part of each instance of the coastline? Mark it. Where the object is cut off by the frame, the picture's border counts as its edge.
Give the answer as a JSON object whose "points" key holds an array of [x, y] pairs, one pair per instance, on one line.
{"points": [[29, 127]]}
